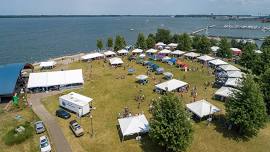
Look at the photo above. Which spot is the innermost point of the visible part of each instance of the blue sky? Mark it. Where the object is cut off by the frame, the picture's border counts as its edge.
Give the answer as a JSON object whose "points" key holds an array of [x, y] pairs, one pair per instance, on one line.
{"points": [[151, 7]]}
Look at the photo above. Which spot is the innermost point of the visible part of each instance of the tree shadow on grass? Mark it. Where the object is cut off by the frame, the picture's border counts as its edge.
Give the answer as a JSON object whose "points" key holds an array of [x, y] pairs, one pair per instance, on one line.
{"points": [[145, 142], [222, 126], [148, 145]]}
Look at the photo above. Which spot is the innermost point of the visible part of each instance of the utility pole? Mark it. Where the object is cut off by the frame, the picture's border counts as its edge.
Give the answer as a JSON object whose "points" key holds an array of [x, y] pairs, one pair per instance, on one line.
{"points": [[92, 130]]}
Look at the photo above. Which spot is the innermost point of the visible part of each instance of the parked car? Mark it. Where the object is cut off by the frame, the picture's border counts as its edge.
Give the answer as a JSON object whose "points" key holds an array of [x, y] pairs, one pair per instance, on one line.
{"points": [[62, 114], [40, 127], [76, 128], [44, 144]]}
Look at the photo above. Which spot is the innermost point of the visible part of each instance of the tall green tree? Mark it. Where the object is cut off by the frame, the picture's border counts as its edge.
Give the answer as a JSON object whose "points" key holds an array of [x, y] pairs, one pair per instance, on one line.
{"points": [[265, 85], [184, 42], [119, 43], [248, 56], [204, 45], [163, 35], [99, 44], [266, 43], [110, 43], [150, 42], [175, 38], [196, 41], [214, 42], [170, 125], [245, 110], [141, 42], [224, 50]]}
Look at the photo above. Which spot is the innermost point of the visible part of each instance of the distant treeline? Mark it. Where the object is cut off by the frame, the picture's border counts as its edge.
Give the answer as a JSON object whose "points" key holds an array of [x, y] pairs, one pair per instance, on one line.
{"points": [[40, 16]]}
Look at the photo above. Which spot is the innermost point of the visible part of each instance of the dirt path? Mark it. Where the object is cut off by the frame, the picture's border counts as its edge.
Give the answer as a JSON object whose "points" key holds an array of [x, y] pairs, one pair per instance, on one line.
{"points": [[56, 135]]}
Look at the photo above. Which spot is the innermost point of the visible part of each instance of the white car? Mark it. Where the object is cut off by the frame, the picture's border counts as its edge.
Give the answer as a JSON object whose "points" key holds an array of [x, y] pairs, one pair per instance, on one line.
{"points": [[44, 144]]}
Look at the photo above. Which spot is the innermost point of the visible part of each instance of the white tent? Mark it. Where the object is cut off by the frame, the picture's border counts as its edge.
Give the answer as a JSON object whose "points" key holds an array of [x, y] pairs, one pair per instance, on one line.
{"points": [[217, 62], [225, 92], [137, 51], [235, 74], [47, 64], [123, 51], [165, 51], [172, 45], [233, 82], [228, 67], [109, 53], [151, 51], [48, 79], [116, 61], [171, 85], [142, 55], [142, 77], [192, 55], [160, 44], [166, 58], [258, 51], [205, 58], [92, 56], [202, 108], [178, 52], [214, 48], [133, 125]]}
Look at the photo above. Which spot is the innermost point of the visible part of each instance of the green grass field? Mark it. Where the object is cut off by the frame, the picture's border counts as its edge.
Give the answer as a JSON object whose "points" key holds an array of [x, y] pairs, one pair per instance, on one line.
{"points": [[8, 122], [111, 95]]}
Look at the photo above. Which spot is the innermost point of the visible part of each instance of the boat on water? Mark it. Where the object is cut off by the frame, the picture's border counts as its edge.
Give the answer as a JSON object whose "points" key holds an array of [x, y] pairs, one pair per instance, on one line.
{"points": [[131, 29]]}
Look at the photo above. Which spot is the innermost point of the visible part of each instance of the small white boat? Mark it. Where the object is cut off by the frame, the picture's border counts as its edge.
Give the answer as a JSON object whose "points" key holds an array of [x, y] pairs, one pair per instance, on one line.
{"points": [[131, 29]]}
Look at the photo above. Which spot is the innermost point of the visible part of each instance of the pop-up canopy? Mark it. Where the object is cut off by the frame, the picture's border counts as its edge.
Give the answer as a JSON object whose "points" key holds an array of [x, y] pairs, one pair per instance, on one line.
{"points": [[171, 85], [202, 108], [133, 125]]}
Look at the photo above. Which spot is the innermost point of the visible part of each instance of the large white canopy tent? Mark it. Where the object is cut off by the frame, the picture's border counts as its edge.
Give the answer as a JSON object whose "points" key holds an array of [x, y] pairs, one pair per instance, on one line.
{"points": [[214, 49], [192, 55], [48, 64], [218, 62], [172, 45], [228, 67], [171, 85], [151, 51], [133, 125], [225, 92], [165, 51], [116, 61], [122, 52], [205, 58], [202, 108], [137, 51], [235, 74], [92, 56], [233, 82], [160, 45], [56, 78], [109, 53], [178, 52]]}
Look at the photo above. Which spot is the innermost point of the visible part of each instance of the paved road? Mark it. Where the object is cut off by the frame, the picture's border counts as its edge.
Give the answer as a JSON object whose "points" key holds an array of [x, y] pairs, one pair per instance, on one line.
{"points": [[56, 135]]}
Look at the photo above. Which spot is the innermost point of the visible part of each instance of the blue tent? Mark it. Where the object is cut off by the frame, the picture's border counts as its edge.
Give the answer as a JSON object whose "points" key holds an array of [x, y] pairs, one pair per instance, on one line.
{"points": [[172, 60], [9, 75], [154, 67]]}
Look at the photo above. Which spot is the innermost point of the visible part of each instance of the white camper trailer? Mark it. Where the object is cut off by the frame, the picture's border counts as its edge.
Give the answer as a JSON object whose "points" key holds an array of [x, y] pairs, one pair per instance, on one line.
{"points": [[76, 103]]}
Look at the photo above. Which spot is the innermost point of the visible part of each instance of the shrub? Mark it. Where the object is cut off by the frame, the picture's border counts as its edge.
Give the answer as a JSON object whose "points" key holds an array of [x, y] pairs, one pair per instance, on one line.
{"points": [[12, 137]]}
